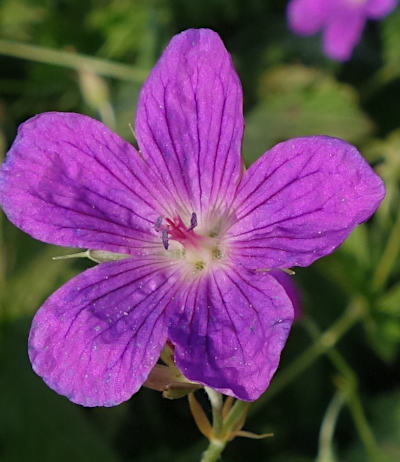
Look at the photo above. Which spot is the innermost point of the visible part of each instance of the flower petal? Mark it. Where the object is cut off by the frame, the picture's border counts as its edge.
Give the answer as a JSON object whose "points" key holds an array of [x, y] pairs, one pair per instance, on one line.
{"points": [[306, 17], [291, 290], [96, 339], [69, 180], [342, 33], [189, 122], [300, 200], [377, 9], [230, 331]]}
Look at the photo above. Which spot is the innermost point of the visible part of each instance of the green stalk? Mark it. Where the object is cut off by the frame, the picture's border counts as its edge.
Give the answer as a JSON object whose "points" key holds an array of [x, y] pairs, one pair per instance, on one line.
{"points": [[213, 451], [223, 429], [351, 395], [72, 60], [325, 451]]}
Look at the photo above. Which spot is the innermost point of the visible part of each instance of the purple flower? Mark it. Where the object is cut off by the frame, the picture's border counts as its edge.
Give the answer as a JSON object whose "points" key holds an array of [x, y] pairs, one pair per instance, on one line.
{"points": [[342, 21], [199, 233]]}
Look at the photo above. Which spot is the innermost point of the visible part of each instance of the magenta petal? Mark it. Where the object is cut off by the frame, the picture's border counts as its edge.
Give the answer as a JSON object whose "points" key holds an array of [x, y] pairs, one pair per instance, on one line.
{"points": [[69, 180], [300, 200], [291, 290], [230, 331], [342, 34], [189, 122], [377, 9], [306, 17], [96, 339]]}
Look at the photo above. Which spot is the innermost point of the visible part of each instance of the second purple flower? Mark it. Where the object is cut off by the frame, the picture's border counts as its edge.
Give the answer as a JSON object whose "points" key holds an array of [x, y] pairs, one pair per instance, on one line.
{"points": [[341, 21]]}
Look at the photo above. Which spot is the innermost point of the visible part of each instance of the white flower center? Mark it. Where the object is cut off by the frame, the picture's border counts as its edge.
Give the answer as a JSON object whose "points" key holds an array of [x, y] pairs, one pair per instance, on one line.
{"points": [[197, 250]]}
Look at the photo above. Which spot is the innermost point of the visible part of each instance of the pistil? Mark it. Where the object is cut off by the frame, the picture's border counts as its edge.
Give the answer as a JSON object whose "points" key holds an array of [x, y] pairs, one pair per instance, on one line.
{"points": [[175, 229]]}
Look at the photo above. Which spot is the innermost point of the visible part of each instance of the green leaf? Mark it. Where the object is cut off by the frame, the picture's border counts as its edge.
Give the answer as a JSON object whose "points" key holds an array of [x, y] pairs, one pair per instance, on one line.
{"points": [[299, 101]]}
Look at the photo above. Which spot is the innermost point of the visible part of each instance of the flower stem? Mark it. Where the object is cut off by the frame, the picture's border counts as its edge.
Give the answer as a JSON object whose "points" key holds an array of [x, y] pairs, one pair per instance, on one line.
{"points": [[362, 425], [72, 60], [224, 429], [213, 451], [324, 343], [352, 398], [325, 452]]}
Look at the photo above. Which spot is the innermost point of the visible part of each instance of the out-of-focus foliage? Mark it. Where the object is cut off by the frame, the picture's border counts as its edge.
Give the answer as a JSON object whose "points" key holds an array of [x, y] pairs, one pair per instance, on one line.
{"points": [[295, 100], [385, 420], [290, 89], [391, 39], [18, 17]]}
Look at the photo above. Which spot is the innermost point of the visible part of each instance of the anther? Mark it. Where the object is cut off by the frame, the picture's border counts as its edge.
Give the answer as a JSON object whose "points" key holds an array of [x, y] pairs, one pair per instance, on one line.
{"points": [[193, 222], [164, 237], [157, 224]]}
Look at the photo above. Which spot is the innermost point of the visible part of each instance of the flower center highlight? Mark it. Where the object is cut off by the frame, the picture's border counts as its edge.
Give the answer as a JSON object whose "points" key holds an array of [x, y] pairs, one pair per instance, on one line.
{"points": [[182, 242]]}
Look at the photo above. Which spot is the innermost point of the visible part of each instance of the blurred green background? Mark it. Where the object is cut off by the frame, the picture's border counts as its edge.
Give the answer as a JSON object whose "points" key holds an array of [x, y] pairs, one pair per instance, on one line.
{"points": [[336, 396]]}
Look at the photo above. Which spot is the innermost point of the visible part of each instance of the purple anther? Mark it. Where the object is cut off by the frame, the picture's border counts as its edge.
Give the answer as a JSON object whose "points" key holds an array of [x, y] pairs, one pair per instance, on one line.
{"points": [[164, 237], [157, 224], [193, 222]]}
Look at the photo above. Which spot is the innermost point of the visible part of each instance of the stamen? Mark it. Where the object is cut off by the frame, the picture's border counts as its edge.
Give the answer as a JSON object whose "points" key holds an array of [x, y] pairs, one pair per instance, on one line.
{"points": [[288, 271], [193, 222], [157, 224], [164, 237]]}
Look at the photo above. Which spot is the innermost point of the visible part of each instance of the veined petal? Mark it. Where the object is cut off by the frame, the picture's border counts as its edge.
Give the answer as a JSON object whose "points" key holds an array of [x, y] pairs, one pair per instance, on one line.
{"points": [[306, 17], [342, 33], [189, 122], [291, 290], [300, 200], [376, 9], [230, 331], [69, 180], [96, 339]]}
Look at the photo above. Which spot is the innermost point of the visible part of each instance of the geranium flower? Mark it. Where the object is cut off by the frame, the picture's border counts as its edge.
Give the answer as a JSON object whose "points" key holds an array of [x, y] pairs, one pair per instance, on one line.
{"points": [[194, 235], [342, 21]]}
